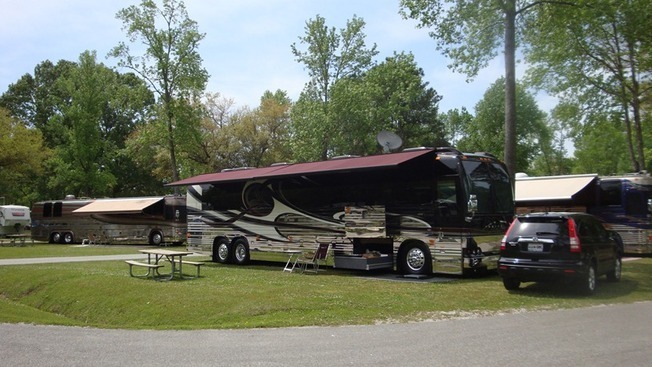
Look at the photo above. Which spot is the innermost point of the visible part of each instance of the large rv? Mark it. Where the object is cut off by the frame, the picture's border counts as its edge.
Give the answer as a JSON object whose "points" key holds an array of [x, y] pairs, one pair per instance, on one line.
{"points": [[420, 210], [623, 203], [14, 220], [154, 220]]}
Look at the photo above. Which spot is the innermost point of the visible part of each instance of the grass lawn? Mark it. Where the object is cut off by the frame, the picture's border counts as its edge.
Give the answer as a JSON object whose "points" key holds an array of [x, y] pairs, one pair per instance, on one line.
{"points": [[102, 294]]}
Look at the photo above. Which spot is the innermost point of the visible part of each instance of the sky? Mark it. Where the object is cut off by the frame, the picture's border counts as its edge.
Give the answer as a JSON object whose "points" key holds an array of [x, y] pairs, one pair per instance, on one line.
{"points": [[246, 49]]}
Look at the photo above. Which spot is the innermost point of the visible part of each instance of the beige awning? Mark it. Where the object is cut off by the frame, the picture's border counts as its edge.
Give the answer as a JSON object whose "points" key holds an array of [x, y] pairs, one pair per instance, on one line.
{"points": [[123, 205], [550, 187]]}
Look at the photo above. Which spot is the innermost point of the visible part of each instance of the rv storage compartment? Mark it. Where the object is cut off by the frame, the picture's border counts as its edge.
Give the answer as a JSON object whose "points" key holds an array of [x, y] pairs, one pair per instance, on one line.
{"points": [[358, 262]]}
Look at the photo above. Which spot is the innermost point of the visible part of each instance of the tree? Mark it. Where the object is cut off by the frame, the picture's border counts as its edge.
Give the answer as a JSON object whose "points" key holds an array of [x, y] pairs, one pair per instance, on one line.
{"points": [[171, 65], [21, 159], [245, 137], [84, 112], [470, 33], [104, 107], [485, 131], [590, 148], [455, 121], [390, 96], [330, 56], [596, 55], [35, 99]]}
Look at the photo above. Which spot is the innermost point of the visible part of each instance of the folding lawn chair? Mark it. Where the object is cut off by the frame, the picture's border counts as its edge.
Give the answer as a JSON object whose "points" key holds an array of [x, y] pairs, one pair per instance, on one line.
{"points": [[313, 259]]}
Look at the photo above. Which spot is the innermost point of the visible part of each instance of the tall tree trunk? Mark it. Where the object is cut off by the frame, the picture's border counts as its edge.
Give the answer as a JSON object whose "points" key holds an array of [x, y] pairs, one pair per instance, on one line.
{"points": [[510, 87], [169, 115], [636, 107]]}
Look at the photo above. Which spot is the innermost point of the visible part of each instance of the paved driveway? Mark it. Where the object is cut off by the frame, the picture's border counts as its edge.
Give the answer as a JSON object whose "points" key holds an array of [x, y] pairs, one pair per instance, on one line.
{"points": [[617, 335]]}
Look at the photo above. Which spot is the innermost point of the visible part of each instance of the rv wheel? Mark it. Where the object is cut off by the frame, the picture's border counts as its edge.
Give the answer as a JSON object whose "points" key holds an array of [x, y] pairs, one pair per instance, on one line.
{"points": [[55, 237], [221, 250], [240, 252], [414, 258], [68, 238], [156, 238]]}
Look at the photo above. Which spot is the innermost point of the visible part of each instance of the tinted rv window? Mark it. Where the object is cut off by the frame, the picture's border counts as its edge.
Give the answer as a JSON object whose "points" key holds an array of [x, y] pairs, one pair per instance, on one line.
{"points": [[58, 209], [47, 210], [610, 192], [491, 185]]}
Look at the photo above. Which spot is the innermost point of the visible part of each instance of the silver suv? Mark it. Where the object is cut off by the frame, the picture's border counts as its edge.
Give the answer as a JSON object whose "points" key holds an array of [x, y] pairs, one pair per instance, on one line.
{"points": [[568, 247]]}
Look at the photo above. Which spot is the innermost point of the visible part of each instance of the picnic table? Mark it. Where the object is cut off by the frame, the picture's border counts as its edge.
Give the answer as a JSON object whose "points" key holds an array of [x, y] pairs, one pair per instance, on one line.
{"points": [[153, 264], [20, 237]]}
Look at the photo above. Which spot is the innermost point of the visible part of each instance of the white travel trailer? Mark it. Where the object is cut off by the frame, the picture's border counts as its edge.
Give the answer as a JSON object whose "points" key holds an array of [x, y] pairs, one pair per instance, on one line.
{"points": [[14, 219]]}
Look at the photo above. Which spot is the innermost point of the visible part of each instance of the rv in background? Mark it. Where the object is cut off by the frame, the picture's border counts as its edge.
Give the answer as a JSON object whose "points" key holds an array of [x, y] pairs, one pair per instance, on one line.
{"points": [[623, 203], [421, 210], [154, 220], [14, 219]]}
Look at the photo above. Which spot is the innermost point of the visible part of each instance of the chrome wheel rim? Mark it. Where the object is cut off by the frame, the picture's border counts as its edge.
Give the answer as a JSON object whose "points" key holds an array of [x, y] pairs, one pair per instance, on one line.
{"points": [[415, 259], [223, 251], [157, 239], [240, 252]]}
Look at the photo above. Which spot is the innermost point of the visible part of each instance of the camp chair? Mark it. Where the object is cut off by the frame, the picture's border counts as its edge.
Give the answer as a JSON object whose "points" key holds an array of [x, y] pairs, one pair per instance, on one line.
{"points": [[313, 258]]}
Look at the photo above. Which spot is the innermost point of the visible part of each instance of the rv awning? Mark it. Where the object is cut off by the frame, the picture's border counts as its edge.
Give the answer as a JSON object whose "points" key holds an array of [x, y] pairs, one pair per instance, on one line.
{"points": [[551, 188], [115, 206], [296, 169]]}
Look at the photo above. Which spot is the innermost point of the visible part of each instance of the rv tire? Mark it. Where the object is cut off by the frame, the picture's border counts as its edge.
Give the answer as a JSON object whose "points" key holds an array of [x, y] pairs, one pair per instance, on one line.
{"points": [[240, 251], [155, 238], [68, 238], [55, 237], [221, 250], [414, 258]]}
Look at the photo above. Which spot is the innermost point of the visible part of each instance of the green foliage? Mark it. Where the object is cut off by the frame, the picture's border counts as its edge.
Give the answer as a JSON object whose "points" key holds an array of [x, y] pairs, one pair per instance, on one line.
{"points": [[330, 56], [601, 149], [596, 55], [391, 96], [171, 65], [102, 294], [311, 135], [468, 32], [85, 112], [21, 153], [486, 131], [243, 138], [80, 168], [36, 99], [454, 122], [333, 54]]}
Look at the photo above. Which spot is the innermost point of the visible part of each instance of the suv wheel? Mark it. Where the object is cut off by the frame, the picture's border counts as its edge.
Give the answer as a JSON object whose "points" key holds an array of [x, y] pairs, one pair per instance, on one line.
{"points": [[511, 284], [615, 274], [588, 283]]}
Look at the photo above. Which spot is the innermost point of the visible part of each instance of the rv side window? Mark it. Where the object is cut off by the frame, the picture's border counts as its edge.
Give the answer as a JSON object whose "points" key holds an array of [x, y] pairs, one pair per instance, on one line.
{"points": [[610, 193], [58, 209], [47, 210], [447, 198], [636, 203]]}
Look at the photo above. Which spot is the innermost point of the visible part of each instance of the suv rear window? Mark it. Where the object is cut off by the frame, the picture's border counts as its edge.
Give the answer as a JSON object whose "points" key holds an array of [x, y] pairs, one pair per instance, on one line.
{"points": [[537, 226]]}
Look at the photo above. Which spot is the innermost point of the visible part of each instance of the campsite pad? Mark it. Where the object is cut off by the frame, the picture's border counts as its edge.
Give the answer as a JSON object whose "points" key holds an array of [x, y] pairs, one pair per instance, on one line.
{"points": [[408, 278]]}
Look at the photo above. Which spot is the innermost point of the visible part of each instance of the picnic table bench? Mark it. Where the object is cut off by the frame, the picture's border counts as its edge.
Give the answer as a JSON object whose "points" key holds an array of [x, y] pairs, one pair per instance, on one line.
{"points": [[197, 265], [151, 268]]}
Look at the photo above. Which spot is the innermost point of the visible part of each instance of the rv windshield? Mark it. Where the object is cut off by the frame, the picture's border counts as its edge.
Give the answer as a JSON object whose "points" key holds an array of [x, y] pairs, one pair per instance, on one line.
{"points": [[490, 183]]}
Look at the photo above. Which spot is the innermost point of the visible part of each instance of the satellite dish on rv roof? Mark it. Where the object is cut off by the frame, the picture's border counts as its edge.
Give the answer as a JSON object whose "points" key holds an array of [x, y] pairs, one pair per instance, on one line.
{"points": [[388, 140]]}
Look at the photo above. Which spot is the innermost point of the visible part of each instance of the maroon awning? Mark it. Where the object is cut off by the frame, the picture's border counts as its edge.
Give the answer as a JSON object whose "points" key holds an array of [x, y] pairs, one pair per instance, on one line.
{"points": [[297, 169]]}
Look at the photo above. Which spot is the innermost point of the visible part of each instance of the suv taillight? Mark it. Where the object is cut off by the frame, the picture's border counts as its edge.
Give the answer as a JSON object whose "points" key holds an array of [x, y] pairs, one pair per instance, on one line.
{"points": [[575, 245], [503, 242]]}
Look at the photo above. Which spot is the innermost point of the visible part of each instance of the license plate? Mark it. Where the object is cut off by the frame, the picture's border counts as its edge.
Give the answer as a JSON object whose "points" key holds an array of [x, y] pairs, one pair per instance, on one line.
{"points": [[535, 247]]}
